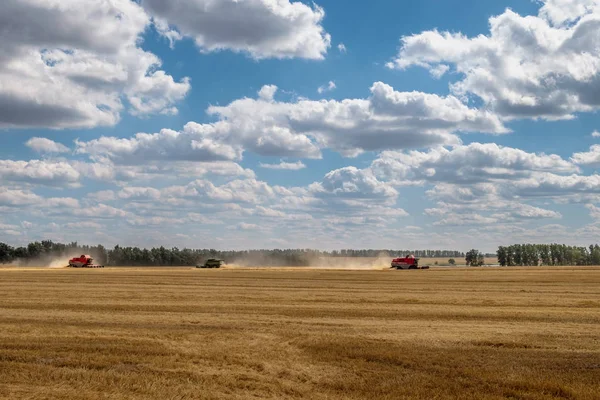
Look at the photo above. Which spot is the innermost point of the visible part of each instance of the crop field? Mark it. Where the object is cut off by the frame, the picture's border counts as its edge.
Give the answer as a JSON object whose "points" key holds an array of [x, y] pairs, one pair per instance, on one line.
{"points": [[183, 333]]}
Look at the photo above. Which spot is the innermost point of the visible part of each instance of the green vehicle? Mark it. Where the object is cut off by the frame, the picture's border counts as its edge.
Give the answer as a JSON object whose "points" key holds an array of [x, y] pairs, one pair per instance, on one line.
{"points": [[211, 263]]}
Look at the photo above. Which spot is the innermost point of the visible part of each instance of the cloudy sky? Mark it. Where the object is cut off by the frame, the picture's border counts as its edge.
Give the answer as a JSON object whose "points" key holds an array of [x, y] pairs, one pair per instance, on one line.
{"points": [[444, 124]]}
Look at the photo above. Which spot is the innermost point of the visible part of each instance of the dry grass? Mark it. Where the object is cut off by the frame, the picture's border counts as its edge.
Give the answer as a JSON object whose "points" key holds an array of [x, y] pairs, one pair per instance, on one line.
{"points": [[276, 334]]}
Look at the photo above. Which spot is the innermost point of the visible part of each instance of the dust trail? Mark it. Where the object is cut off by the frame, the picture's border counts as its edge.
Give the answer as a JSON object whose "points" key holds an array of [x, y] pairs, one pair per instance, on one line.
{"points": [[352, 263], [41, 262], [58, 263], [316, 262]]}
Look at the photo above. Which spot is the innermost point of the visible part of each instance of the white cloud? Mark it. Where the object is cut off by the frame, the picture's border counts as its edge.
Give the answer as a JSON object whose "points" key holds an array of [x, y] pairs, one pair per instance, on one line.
{"points": [[261, 28], [139, 193], [236, 191], [483, 183], [18, 198], [4, 227], [560, 12], [327, 88], [350, 185], [195, 143], [83, 225], [102, 195], [100, 211], [472, 163], [466, 219], [386, 120], [247, 227], [267, 92], [69, 64], [26, 225], [552, 185], [594, 211], [527, 67], [285, 166], [342, 48], [438, 71], [591, 157], [39, 172], [595, 134], [43, 145]]}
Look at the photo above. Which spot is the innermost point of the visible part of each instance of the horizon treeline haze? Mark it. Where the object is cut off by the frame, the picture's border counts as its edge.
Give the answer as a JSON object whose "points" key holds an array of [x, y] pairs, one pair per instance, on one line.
{"points": [[47, 250]]}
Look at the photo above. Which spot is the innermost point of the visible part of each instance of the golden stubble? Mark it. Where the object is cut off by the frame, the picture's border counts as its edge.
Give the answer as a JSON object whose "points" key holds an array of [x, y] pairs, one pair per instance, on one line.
{"points": [[183, 333]]}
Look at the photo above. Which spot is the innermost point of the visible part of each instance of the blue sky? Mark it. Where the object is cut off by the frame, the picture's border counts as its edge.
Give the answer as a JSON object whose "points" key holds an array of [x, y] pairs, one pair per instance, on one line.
{"points": [[251, 124]]}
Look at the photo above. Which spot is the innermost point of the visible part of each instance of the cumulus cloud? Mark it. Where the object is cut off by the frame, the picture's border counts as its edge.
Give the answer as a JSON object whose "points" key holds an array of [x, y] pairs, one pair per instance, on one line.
{"points": [[102, 195], [236, 191], [139, 192], [595, 134], [39, 172], [594, 211], [342, 48], [19, 198], [480, 184], [388, 119], [544, 66], [591, 157], [471, 163], [100, 211], [560, 12], [261, 28], [247, 227], [552, 185], [69, 64], [350, 185], [285, 166], [46, 146], [194, 143], [327, 88], [466, 219]]}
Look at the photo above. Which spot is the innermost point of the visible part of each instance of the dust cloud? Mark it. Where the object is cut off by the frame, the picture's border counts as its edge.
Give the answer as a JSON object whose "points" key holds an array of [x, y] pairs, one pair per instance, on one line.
{"points": [[314, 262], [40, 262]]}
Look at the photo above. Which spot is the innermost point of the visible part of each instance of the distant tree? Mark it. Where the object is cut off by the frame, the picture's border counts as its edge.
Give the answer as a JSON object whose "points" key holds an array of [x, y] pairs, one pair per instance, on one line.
{"points": [[6, 253], [452, 261], [502, 255], [474, 258]]}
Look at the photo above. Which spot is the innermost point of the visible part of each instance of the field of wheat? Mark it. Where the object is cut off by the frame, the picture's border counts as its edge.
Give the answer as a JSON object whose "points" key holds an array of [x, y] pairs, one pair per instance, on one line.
{"points": [[182, 333]]}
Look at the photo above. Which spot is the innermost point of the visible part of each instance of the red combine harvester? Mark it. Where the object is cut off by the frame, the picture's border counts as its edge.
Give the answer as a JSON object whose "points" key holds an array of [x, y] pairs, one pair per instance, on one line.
{"points": [[408, 262], [83, 261]]}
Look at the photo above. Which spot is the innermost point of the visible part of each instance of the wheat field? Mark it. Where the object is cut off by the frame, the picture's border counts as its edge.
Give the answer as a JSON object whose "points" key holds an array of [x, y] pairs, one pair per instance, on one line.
{"points": [[182, 333]]}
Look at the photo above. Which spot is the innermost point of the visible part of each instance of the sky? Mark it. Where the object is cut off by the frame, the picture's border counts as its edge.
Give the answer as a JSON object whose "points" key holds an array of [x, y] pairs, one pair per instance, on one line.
{"points": [[236, 124]]}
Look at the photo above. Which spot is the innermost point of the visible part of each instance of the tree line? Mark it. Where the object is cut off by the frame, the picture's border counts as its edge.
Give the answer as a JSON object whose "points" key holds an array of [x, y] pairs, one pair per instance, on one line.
{"points": [[47, 250], [547, 254], [514, 255]]}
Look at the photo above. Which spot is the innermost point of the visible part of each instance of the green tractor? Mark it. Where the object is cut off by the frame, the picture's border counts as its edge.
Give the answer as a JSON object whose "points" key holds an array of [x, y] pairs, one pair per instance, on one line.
{"points": [[211, 263]]}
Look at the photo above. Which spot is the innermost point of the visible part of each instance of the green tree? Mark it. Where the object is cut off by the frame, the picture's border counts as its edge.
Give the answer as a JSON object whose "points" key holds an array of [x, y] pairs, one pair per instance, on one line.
{"points": [[452, 261], [474, 258], [502, 256]]}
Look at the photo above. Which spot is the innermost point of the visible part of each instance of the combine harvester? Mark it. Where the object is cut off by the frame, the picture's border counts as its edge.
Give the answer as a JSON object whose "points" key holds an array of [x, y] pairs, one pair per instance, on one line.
{"points": [[84, 261], [211, 263], [408, 262]]}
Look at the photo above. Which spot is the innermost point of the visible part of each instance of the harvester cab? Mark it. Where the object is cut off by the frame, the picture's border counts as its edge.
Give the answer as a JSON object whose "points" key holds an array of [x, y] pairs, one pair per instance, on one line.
{"points": [[83, 261]]}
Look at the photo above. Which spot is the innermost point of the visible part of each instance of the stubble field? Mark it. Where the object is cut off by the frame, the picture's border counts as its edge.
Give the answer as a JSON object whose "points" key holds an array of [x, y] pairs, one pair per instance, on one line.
{"points": [[181, 333]]}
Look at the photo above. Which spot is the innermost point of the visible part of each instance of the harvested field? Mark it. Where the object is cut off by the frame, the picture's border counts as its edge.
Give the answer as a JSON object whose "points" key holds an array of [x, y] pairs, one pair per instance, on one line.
{"points": [[182, 333]]}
